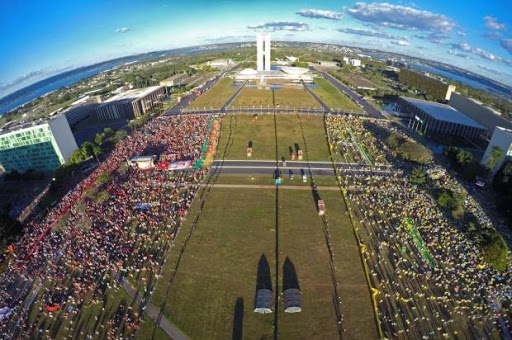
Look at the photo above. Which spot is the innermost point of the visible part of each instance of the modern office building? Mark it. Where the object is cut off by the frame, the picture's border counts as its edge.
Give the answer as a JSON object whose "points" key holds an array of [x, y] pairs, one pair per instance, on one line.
{"points": [[42, 146], [263, 52], [174, 80], [479, 113], [436, 118], [81, 109], [435, 87], [131, 104], [501, 138]]}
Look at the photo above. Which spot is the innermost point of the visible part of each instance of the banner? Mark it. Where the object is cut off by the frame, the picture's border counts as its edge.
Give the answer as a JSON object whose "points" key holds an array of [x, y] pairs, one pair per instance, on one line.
{"points": [[182, 165], [5, 312], [143, 206]]}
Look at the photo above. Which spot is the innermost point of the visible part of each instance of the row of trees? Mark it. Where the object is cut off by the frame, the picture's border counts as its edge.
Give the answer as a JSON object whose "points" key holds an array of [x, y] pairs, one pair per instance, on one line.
{"points": [[407, 149], [488, 240], [10, 230], [502, 184], [465, 163]]}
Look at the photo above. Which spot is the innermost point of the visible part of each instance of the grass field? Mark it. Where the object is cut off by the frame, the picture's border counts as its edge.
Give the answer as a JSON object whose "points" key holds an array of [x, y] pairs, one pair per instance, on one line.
{"points": [[219, 267], [334, 98], [216, 96], [284, 97], [263, 137]]}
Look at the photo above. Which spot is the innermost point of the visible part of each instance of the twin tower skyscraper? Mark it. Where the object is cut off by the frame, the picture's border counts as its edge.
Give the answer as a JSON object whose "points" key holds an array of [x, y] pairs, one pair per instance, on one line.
{"points": [[263, 52]]}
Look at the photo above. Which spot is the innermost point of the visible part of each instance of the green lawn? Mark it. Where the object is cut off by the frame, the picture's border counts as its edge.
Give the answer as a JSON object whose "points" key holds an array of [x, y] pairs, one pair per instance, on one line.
{"points": [[219, 267], [334, 98], [149, 330], [263, 137], [284, 97], [216, 96], [251, 96], [295, 97]]}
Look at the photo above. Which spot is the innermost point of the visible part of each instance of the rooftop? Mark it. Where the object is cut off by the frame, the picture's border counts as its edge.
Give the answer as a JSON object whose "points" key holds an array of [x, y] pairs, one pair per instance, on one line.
{"points": [[19, 126], [442, 112], [130, 95]]}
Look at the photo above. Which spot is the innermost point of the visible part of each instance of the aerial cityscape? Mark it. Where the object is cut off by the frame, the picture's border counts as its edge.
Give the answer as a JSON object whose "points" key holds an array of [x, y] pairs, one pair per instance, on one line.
{"points": [[213, 170]]}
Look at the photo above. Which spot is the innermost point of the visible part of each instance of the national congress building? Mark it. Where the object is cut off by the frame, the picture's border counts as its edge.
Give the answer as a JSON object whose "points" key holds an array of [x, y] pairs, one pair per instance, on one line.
{"points": [[38, 146]]}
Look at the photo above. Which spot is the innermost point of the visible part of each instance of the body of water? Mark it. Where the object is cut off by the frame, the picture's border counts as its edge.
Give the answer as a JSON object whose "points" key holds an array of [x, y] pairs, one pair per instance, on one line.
{"points": [[50, 85], [53, 83], [455, 76]]}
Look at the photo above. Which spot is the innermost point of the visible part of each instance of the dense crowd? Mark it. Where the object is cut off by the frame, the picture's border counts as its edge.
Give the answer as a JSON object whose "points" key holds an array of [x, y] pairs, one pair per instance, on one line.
{"points": [[432, 280], [93, 239]]}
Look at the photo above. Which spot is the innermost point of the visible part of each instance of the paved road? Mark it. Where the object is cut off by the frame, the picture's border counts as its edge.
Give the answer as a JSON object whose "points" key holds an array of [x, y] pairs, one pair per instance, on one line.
{"points": [[186, 100], [248, 167]]}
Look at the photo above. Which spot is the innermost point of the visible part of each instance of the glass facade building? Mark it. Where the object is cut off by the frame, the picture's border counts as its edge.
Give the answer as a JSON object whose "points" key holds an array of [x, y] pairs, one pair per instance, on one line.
{"points": [[43, 147]]}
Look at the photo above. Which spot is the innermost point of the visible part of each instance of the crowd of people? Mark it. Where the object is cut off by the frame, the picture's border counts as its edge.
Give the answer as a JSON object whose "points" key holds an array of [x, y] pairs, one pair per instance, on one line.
{"points": [[92, 240], [352, 140], [432, 280]]}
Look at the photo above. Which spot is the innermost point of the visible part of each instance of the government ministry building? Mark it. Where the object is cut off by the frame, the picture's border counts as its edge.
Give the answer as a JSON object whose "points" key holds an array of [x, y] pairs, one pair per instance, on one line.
{"points": [[42, 146]]}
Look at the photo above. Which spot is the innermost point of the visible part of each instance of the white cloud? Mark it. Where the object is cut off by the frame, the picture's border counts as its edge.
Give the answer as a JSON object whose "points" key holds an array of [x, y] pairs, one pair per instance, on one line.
{"points": [[493, 24], [281, 26], [506, 44], [123, 30], [400, 17], [434, 37], [458, 54], [320, 14], [477, 51], [401, 43], [368, 33]]}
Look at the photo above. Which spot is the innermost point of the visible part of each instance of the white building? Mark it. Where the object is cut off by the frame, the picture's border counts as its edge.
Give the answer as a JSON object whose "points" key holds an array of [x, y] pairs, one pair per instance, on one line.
{"points": [[263, 52], [355, 62], [352, 61], [131, 104], [220, 63], [263, 71], [328, 63], [501, 138]]}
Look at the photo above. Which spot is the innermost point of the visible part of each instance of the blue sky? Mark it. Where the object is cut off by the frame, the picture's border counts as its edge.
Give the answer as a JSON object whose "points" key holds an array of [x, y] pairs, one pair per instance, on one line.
{"points": [[42, 38]]}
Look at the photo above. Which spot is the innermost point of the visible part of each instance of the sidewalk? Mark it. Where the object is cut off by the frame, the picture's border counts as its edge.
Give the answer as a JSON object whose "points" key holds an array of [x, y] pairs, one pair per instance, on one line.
{"points": [[155, 314]]}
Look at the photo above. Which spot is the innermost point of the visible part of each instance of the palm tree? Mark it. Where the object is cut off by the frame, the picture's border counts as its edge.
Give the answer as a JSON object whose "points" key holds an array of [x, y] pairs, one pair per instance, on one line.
{"points": [[464, 157], [496, 154], [418, 176]]}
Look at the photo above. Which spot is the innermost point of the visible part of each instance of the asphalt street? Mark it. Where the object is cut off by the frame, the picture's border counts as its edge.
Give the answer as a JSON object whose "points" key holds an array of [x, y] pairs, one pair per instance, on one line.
{"points": [[296, 168]]}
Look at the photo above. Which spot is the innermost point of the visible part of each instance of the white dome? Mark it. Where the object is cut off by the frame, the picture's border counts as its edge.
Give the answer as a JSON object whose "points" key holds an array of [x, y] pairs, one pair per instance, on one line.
{"points": [[248, 71]]}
